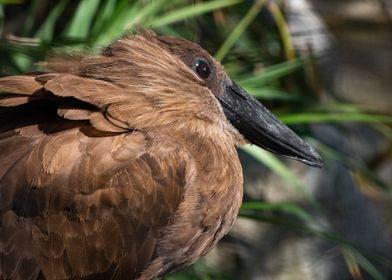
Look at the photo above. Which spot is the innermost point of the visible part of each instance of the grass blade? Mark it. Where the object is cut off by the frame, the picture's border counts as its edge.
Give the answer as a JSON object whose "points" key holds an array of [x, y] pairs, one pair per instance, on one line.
{"points": [[5, 2], [124, 17], [114, 25], [144, 13], [80, 23], [301, 118], [283, 30], [277, 166], [270, 93], [287, 207], [190, 11], [1, 19], [354, 164], [355, 259], [45, 32], [239, 29], [349, 250], [274, 72], [29, 22], [103, 14]]}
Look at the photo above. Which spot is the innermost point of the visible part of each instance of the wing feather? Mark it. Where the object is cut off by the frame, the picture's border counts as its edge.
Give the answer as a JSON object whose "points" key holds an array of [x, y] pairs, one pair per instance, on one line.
{"points": [[76, 98], [78, 198], [22, 84]]}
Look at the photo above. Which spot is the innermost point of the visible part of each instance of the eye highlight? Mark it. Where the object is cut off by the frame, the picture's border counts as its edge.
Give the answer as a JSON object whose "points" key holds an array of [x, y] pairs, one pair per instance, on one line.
{"points": [[201, 68]]}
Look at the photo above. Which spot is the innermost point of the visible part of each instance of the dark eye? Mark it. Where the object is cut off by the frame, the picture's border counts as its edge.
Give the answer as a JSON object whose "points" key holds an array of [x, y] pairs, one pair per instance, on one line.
{"points": [[201, 68]]}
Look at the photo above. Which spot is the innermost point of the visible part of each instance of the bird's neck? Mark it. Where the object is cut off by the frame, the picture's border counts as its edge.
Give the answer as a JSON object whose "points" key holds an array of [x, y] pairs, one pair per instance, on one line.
{"points": [[213, 195], [217, 190], [215, 161], [220, 180]]}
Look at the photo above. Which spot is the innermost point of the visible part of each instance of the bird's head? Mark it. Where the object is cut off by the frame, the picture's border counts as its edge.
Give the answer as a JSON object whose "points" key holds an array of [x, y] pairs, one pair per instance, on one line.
{"points": [[176, 83], [250, 118]]}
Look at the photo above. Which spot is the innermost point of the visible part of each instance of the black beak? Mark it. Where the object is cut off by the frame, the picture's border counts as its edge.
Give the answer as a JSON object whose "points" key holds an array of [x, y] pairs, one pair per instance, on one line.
{"points": [[263, 129]]}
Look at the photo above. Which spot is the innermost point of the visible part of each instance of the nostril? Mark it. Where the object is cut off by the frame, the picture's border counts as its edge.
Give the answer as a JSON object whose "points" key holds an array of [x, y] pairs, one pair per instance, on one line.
{"points": [[234, 88]]}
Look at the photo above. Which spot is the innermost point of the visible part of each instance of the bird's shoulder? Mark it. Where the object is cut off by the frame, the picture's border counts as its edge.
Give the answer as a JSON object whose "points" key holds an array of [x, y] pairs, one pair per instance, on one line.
{"points": [[87, 196]]}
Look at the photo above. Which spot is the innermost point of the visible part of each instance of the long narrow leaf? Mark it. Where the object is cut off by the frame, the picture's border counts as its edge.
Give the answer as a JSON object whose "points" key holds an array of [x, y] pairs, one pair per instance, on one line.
{"points": [[4, 2], [367, 266], [274, 72], [80, 23], [45, 32], [270, 93], [190, 11], [113, 26], [29, 22], [347, 246], [302, 118], [351, 262], [1, 19], [125, 15], [283, 30], [239, 29], [359, 166], [103, 14], [145, 12], [287, 207], [272, 162]]}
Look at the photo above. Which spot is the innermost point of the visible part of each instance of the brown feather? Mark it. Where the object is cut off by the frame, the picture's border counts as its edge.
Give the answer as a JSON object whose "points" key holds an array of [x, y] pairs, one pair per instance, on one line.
{"points": [[9, 101], [19, 84], [112, 166], [74, 114]]}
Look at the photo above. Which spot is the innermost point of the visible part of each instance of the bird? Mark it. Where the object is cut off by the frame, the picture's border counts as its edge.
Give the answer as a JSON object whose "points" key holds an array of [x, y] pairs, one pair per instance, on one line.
{"points": [[122, 164]]}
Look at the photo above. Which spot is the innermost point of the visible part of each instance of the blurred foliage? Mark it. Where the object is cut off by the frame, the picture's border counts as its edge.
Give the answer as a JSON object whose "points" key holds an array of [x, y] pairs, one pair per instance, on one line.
{"points": [[250, 38]]}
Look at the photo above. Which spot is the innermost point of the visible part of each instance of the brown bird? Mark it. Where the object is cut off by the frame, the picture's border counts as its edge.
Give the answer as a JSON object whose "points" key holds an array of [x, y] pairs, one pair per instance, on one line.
{"points": [[123, 165]]}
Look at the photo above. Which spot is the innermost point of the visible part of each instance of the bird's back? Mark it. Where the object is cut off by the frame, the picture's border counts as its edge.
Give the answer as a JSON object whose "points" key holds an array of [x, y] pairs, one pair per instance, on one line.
{"points": [[84, 196], [77, 201]]}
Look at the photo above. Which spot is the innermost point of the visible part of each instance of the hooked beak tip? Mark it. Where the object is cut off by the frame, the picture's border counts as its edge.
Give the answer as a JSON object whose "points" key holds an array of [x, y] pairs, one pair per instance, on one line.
{"points": [[263, 129], [312, 158]]}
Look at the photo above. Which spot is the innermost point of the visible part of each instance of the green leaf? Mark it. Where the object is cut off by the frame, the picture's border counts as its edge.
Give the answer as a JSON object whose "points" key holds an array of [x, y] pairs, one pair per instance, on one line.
{"points": [[287, 207], [24, 62], [103, 15], [273, 73], [190, 11], [277, 166], [80, 23], [239, 29], [354, 258], [301, 118], [339, 107], [284, 31], [1, 19], [349, 250], [29, 22], [270, 93], [45, 32], [124, 17], [114, 25], [5, 2], [9, 62], [151, 9], [354, 164]]}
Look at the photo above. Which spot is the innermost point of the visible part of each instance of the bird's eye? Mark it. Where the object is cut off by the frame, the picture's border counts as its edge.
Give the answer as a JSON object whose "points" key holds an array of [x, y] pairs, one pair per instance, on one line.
{"points": [[201, 68]]}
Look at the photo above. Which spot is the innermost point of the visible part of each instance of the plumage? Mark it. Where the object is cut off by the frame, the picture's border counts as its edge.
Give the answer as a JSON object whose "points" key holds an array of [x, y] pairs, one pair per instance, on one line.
{"points": [[119, 165]]}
